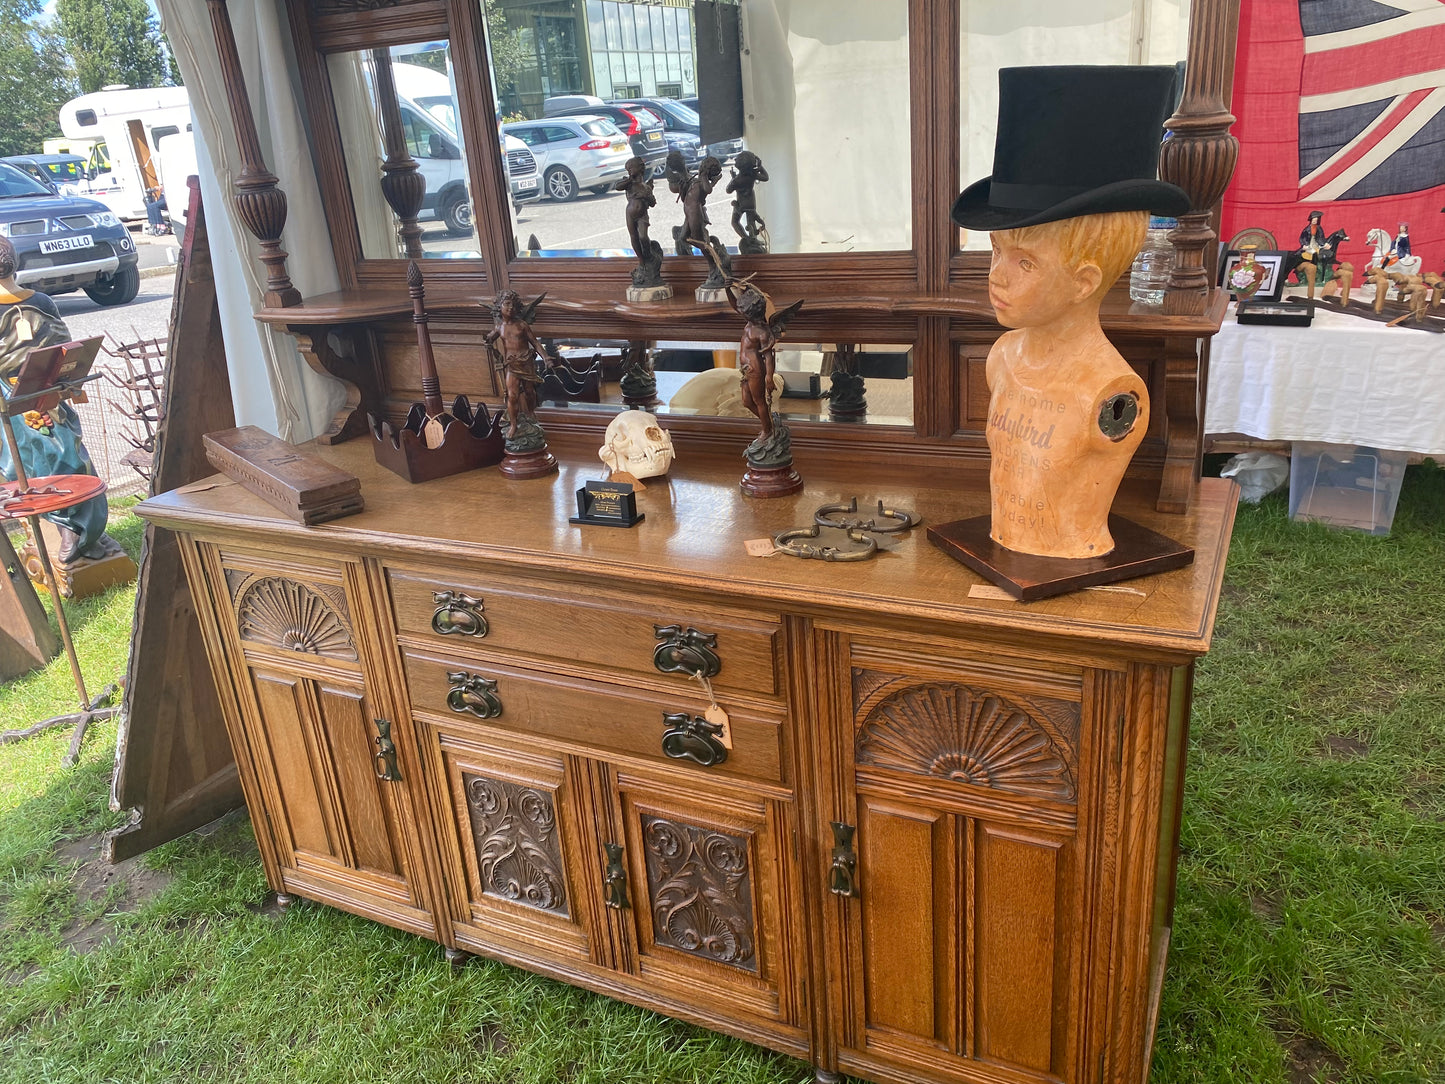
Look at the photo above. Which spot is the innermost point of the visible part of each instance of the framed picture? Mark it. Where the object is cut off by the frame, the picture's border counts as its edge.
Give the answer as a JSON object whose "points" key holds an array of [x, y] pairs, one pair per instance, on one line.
{"points": [[1271, 286]]}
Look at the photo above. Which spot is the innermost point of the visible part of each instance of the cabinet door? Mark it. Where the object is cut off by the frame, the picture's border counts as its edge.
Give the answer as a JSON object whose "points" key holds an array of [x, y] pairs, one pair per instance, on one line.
{"points": [[335, 804], [517, 882], [965, 926], [711, 896]]}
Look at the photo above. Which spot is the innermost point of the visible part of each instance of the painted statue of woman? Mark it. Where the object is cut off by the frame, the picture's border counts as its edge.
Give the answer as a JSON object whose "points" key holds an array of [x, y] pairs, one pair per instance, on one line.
{"points": [[50, 442]]}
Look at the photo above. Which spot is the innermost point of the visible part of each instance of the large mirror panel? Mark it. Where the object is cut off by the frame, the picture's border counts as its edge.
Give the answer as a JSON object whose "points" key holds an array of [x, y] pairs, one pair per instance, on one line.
{"points": [[845, 383], [1009, 33], [397, 113], [588, 84]]}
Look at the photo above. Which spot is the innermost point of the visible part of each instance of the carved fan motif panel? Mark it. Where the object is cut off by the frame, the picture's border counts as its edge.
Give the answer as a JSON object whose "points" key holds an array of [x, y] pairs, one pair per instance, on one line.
{"points": [[291, 616], [519, 853], [969, 735], [700, 887]]}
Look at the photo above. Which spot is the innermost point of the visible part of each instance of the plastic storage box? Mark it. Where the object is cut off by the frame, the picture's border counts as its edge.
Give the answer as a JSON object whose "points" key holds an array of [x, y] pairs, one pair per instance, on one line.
{"points": [[1345, 485]]}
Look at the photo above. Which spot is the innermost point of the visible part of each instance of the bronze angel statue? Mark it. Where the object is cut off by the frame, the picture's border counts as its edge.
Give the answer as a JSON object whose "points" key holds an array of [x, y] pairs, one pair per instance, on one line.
{"points": [[693, 190], [758, 361], [514, 350]]}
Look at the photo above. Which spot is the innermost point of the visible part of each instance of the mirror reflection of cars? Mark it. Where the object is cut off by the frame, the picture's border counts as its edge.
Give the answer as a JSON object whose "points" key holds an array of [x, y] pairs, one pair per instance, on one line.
{"points": [[574, 153], [684, 127], [67, 172], [65, 243], [642, 127], [439, 158]]}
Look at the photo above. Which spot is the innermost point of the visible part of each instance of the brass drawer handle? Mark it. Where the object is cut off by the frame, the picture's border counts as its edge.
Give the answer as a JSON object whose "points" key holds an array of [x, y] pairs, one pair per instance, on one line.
{"points": [[843, 873], [685, 651], [472, 694], [691, 737], [458, 614], [384, 760], [614, 877]]}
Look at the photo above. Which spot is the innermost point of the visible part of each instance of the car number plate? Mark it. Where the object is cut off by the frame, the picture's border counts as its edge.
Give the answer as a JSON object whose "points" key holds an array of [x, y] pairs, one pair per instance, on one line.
{"points": [[527, 182], [654, 137], [65, 244]]}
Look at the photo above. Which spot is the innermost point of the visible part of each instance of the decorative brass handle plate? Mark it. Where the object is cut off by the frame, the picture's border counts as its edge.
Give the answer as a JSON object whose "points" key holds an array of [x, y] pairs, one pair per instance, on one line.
{"points": [[458, 614], [691, 737], [474, 695], [615, 877], [789, 542], [686, 651], [384, 760], [843, 874]]}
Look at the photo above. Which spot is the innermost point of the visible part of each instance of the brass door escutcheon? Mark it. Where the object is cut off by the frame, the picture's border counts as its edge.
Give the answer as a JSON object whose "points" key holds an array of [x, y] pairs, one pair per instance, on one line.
{"points": [[843, 873], [691, 737], [384, 759], [458, 614], [686, 651], [615, 877], [473, 694]]}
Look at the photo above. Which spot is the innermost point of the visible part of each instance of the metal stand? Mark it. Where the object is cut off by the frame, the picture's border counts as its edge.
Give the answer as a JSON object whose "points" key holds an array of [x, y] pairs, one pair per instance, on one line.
{"points": [[89, 709]]}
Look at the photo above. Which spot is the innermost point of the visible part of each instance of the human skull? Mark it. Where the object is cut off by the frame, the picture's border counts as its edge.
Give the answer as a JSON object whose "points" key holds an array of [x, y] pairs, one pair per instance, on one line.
{"points": [[635, 443]]}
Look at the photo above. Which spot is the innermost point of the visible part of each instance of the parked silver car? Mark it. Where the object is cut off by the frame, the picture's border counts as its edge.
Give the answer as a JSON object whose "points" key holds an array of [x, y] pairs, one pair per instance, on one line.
{"points": [[574, 153]]}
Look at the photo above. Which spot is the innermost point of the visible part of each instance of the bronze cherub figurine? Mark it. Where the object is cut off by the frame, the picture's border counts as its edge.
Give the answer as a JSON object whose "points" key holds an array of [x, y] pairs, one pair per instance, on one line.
{"points": [[514, 350], [647, 284], [751, 229], [770, 457], [693, 190]]}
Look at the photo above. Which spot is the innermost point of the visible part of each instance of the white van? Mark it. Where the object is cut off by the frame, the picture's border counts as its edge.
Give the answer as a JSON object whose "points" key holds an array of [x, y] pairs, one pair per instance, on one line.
{"points": [[127, 125], [428, 117]]}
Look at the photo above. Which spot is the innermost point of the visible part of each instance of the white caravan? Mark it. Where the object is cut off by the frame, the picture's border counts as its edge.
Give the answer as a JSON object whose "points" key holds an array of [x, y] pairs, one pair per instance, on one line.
{"points": [[127, 125]]}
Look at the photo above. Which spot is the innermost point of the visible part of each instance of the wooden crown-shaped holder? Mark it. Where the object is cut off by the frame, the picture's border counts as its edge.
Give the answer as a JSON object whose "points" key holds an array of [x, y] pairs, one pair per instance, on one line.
{"points": [[432, 442]]}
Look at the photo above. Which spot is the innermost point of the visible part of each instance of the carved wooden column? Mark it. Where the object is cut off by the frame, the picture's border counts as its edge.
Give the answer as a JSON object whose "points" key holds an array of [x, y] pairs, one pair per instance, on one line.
{"points": [[259, 202], [1201, 154], [401, 181]]}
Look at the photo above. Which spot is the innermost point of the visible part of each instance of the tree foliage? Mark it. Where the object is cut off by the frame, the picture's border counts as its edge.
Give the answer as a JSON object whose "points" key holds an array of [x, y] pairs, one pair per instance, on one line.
{"points": [[509, 52], [35, 78], [113, 41]]}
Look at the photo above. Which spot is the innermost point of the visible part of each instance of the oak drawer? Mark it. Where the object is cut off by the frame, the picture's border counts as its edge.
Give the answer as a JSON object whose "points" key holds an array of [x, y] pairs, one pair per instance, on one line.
{"points": [[593, 627], [607, 720]]}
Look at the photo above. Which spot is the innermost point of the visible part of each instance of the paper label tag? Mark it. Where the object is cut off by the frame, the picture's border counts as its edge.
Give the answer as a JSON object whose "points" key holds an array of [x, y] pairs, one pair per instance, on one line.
{"points": [[760, 547], [623, 476], [205, 484], [717, 717], [988, 590]]}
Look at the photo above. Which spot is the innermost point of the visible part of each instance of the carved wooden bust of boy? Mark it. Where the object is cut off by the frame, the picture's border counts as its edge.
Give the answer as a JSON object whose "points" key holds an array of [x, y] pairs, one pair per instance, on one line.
{"points": [[1066, 411], [1075, 174]]}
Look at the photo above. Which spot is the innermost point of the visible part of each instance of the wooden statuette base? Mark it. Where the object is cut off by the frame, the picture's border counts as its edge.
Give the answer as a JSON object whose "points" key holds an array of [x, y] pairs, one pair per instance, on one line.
{"points": [[1138, 551], [533, 464], [781, 481]]}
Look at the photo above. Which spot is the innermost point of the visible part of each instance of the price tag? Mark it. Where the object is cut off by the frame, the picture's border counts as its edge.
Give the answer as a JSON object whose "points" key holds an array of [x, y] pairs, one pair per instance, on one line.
{"points": [[760, 547], [714, 713]]}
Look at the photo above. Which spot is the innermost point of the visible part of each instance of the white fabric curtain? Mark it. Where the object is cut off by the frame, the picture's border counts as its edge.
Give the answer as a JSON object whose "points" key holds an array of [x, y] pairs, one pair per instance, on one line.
{"points": [[356, 116], [272, 387]]}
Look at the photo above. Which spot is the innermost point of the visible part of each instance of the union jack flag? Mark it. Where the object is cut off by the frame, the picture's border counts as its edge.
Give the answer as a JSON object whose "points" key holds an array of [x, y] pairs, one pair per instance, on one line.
{"points": [[1340, 107]]}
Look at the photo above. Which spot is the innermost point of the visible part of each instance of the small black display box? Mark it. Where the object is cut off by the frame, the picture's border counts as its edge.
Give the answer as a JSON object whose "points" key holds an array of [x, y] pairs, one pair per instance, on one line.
{"points": [[1274, 312], [607, 504]]}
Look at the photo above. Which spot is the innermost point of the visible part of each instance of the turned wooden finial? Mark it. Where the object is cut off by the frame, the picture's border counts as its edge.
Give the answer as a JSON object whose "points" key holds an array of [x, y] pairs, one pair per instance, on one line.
{"points": [[401, 181], [1201, 154], [431, 387], [259, 202]]}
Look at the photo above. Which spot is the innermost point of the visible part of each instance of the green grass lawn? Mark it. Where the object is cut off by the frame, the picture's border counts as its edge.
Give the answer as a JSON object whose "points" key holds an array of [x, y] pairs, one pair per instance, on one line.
{"points": [[1309, 935]]}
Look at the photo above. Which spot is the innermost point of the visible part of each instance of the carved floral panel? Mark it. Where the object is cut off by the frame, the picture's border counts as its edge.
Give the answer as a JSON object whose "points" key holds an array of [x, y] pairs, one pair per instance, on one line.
{"points": [[291, 616], [969, 735], [700, 888], [519, 853]]}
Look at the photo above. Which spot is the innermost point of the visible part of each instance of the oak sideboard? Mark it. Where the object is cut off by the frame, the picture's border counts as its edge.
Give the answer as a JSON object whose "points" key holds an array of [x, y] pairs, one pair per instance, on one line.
{"points": [[936, 842]]}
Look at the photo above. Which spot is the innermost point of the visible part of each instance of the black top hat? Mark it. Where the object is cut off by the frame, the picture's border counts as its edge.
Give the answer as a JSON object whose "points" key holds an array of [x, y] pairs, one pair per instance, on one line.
{"points": [[1074, 140]]}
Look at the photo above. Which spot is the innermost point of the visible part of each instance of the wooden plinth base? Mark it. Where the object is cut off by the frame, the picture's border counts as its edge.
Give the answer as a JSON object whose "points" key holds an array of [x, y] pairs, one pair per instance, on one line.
{"points": [[1138, 551], [771, 481], [528, 464], [82, 577]]}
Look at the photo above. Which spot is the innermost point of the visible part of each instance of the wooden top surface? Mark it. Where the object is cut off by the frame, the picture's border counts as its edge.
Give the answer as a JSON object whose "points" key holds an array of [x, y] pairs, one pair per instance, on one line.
{"points": [[692, 541], [377, 303]]}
